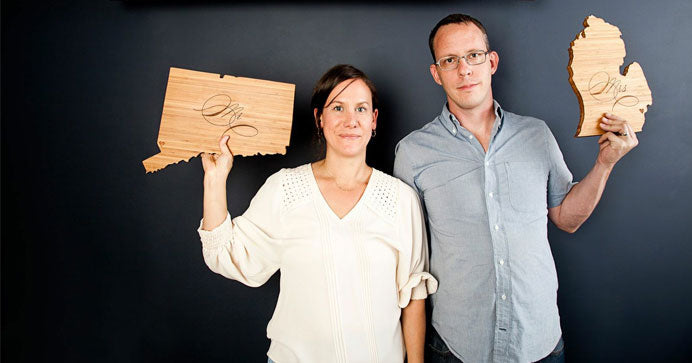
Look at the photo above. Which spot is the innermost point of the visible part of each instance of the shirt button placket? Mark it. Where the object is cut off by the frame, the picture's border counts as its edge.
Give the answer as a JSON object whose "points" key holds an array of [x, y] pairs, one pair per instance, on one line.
{"points": [[499, 248]]}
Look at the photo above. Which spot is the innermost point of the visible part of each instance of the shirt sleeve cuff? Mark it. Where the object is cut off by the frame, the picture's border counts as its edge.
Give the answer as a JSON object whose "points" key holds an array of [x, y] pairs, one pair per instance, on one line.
{"points": [[556, 199], [217, 237], [418, 287]]}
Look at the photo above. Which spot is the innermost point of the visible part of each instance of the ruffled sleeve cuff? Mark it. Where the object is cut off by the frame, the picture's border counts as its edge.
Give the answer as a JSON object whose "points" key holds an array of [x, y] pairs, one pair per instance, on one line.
{"points": [[217, 237], [418, 287]]}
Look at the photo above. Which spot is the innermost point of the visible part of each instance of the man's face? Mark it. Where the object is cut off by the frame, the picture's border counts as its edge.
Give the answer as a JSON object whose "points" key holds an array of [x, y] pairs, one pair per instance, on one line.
{"points": [[467, 87]]}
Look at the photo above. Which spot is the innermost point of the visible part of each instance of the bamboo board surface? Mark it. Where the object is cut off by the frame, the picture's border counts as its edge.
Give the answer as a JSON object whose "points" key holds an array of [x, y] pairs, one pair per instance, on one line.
{"points": [[201, 107], [594, 68]]}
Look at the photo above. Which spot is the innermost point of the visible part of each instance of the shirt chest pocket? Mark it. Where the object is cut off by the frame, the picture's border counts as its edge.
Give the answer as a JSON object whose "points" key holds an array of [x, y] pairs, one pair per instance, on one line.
{"points": [[527, 183]]}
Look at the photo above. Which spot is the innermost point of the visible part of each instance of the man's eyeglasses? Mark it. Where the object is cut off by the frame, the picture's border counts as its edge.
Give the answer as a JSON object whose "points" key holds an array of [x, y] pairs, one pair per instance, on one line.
{"points": [[452, 62]]}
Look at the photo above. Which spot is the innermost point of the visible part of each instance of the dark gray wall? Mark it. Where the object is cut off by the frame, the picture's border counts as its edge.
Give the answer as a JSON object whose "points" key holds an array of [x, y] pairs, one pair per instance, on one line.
{"points": [[102, 263]]}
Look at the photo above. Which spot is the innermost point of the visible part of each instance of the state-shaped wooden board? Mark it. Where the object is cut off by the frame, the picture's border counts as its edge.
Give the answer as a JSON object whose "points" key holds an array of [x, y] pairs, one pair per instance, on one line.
{"points": [[199, 108], [594, 68]]}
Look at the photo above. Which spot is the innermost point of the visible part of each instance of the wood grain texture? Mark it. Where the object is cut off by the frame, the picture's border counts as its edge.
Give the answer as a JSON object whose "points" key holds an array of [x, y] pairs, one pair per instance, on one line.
{"points": [[596, 56], [201, 107]]}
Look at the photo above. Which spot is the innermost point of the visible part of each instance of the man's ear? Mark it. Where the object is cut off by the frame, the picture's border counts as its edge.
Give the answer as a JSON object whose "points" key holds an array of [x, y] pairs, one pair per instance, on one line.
{"points": [[494, 60], [435, 75]]}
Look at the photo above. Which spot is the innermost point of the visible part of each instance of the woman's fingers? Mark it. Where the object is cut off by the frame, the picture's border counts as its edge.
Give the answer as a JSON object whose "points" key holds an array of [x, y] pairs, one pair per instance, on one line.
{"points": [[222, 162], [223, 145], [207, 161]]}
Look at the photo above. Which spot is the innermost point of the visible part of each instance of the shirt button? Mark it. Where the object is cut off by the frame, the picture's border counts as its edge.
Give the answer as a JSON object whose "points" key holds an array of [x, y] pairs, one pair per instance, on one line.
{"points": [[470, 137], [497, 227], [502, 261], [454, 131], [487, 163], [490, 194], [504, 297]]}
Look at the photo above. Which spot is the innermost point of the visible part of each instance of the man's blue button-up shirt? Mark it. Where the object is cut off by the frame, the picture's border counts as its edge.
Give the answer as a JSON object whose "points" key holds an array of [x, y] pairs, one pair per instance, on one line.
{"points": [[487, 217]]}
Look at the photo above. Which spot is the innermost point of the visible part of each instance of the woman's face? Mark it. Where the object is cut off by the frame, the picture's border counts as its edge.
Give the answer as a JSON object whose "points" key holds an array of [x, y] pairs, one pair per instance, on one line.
{"points": [[348, 119]]}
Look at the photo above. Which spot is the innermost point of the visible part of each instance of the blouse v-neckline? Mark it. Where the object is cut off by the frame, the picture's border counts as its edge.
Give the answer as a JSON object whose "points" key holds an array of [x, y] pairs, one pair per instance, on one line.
{"points": [[325, 204]]}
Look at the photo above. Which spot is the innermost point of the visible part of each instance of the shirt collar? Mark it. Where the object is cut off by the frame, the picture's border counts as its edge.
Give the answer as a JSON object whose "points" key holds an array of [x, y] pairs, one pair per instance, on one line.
{"points": [[452, 125]]}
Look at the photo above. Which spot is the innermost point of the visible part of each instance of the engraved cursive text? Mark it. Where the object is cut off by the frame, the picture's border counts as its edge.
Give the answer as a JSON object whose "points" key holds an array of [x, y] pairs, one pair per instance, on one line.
{"points": [[603, 88], [220, 110]]}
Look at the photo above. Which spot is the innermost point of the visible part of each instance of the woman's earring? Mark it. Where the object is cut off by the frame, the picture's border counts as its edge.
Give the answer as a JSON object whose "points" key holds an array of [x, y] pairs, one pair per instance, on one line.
{"points": [[319, 127], [374, 132]]}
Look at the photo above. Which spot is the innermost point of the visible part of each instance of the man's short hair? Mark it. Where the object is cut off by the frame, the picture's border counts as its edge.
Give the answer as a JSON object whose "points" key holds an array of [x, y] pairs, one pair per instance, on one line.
{"points": [[456, 19]]}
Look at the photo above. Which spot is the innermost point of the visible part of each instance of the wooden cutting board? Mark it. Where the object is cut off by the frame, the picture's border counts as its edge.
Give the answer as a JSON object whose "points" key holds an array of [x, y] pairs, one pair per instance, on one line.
{"points": [[199, 108], [594, 68]]}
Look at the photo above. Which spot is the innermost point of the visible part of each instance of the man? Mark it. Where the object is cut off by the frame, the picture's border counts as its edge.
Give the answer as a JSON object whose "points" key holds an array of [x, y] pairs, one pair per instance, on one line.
{"points": [[489, 180]]}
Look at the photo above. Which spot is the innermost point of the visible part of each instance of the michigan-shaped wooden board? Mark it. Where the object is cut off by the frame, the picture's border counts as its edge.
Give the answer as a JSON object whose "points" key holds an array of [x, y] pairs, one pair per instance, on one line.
{"points": [[201, 107], [594, 69]]}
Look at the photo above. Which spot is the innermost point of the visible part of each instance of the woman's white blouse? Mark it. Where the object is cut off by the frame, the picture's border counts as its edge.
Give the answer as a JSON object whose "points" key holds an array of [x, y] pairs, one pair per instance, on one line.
{"points": [[343, 281]]}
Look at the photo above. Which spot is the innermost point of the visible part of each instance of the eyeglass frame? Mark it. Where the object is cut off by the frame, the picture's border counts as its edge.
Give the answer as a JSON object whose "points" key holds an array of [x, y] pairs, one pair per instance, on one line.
{"points": [[485, 55]]}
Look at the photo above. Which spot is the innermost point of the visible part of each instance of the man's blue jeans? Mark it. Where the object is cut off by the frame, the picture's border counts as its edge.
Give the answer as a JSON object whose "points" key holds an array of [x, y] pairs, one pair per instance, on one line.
{"points": [[436, 351]]}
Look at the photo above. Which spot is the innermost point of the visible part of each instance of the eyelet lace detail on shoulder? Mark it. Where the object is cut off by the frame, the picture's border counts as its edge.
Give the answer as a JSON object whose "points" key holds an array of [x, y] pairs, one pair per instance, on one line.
{"points": [[296, 185], [384, 196]]}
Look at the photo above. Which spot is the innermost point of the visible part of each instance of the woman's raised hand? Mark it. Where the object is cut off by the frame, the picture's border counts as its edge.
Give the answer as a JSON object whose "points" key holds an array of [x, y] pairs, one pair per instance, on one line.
{"points": [[216, 169], [217, 166]]}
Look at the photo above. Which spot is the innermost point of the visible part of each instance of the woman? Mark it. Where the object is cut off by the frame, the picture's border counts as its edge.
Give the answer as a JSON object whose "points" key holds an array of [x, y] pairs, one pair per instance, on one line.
{"points": [[349, 240]]}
